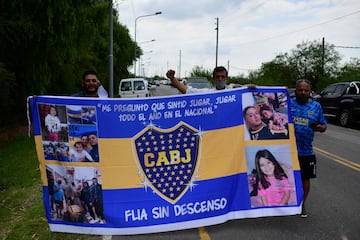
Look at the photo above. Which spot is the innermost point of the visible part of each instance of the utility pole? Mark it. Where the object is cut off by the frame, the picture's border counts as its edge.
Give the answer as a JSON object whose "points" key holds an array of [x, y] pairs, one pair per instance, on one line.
{"points": [[217, 41], [179, 76], [111, 56], [323, 58], [228, 66]]}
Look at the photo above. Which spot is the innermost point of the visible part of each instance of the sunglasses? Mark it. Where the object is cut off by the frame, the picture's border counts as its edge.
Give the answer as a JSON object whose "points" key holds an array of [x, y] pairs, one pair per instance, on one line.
{"points": [[303, 80]]}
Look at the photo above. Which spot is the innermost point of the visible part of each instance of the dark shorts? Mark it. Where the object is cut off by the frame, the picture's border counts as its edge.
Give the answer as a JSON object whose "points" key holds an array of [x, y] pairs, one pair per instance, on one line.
{"points": [[59, 203], [307, 166]]}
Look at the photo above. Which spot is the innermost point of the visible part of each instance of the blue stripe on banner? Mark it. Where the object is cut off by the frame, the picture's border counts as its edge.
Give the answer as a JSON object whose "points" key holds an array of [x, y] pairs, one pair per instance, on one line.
{"points": [[125, 118], [125, 208], [165, 113], [212, 199]]}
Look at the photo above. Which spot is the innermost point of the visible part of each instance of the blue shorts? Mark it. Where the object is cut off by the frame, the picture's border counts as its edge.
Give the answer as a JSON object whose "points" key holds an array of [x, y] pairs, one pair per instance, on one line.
{"points": [[307, 166]]}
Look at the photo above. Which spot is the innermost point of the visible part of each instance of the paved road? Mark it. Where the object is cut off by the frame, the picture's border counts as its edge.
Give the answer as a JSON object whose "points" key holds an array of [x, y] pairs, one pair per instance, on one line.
{"points": [[333, 204]]}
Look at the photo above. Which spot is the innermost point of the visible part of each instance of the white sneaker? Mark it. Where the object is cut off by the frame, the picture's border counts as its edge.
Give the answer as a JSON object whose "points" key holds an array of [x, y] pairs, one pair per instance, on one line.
{"points": [[303, 212], [92, 221]]}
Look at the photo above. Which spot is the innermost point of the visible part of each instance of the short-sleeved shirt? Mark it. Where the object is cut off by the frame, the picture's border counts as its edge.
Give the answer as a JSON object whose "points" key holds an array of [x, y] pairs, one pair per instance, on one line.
{"points": [[264, 133], [76, 156], [58, 194], [304, 117], [199, 90], [276, 191], [94, 152], [102, 93]]}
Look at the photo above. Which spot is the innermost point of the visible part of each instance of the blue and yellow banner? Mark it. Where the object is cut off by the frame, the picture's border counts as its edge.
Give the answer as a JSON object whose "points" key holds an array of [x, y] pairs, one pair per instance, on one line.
{"points": [[131, 166]]}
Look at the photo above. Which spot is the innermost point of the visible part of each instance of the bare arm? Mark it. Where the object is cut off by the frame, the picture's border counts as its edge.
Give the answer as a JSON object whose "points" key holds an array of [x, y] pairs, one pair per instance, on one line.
{"points": [[264, 201], [175, 82], [320, 128], [286, 197]]}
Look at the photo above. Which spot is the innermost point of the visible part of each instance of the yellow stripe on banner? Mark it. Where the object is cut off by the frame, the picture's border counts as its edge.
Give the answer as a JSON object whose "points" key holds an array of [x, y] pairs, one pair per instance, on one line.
{"points": [[293, 149], [118, 167], [221, 155], [41, 159]]}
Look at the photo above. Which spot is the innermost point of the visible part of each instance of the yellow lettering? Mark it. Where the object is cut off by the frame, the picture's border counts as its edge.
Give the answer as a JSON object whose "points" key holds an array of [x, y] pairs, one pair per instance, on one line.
{"points": [[147, 157], [188, 156], [174, 156], [162, 159]]}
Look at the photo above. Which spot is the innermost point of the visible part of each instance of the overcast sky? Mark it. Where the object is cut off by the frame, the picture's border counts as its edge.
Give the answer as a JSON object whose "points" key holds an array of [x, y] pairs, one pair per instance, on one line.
{"points": [[250, 33]]}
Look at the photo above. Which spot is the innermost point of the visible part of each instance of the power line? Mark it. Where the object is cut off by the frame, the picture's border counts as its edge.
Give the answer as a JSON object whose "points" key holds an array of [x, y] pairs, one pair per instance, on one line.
{"points": [[346, 47], [305, 28], [245, 69]]}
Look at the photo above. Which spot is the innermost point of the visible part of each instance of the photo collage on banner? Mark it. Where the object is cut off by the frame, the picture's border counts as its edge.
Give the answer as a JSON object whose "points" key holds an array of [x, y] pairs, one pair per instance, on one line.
{"points": [[69, 137], [269, 166]]}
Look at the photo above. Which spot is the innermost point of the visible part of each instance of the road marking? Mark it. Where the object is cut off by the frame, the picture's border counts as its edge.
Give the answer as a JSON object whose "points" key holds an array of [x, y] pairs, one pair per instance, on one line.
{"points": [[203, 234], [338, 159]]}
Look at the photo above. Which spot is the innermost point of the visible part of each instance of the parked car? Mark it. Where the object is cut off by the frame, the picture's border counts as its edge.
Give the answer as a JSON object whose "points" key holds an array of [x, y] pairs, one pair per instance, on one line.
{"points": [[133, 87], [291, 92], [197, 82], [341, 101]]}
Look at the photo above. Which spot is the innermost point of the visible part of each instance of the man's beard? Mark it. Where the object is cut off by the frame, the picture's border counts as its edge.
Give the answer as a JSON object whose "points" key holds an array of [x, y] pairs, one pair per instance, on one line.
{"points": [[302, 99]]}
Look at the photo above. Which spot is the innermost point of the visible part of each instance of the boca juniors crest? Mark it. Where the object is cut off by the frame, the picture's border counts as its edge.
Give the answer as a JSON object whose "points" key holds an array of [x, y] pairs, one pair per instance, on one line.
{"points": [[168, 159]]}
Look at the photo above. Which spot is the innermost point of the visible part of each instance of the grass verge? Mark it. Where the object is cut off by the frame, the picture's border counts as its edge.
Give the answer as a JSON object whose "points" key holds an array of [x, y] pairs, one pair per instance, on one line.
{"points": [[22, 213]]}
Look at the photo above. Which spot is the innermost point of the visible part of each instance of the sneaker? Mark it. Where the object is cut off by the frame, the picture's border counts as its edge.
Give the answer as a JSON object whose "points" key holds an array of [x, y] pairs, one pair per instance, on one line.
{"points": [[303, 213], [93, 221]]}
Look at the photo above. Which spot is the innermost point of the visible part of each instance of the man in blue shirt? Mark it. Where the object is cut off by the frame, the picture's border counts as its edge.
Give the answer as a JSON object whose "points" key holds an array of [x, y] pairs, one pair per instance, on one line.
{"points": [[94, 152], [96, 200], [307, 117]]}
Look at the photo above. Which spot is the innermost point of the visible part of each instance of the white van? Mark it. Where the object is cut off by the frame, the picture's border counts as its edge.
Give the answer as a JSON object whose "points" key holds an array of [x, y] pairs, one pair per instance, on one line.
{"points": [[133, 88]]}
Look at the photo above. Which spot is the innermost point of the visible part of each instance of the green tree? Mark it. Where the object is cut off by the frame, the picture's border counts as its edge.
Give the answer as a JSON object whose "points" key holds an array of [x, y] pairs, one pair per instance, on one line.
{"points": [[310, 60], [46, 45], [316, 62], [200, 71], [240, 79], [350, 71], [277, 72]]}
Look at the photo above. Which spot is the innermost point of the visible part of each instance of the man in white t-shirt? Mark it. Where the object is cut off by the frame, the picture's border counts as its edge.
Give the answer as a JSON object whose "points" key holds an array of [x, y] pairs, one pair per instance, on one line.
{"points": [[220, 75]]}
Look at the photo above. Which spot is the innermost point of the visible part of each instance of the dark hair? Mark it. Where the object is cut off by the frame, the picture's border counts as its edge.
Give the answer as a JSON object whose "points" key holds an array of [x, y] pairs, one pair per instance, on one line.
{"points": [[78, 143], [265, 107], [87, 72], [303, 80], [278, 171], [92, 133], [52, 106], [219, 69], [245, 110]]}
